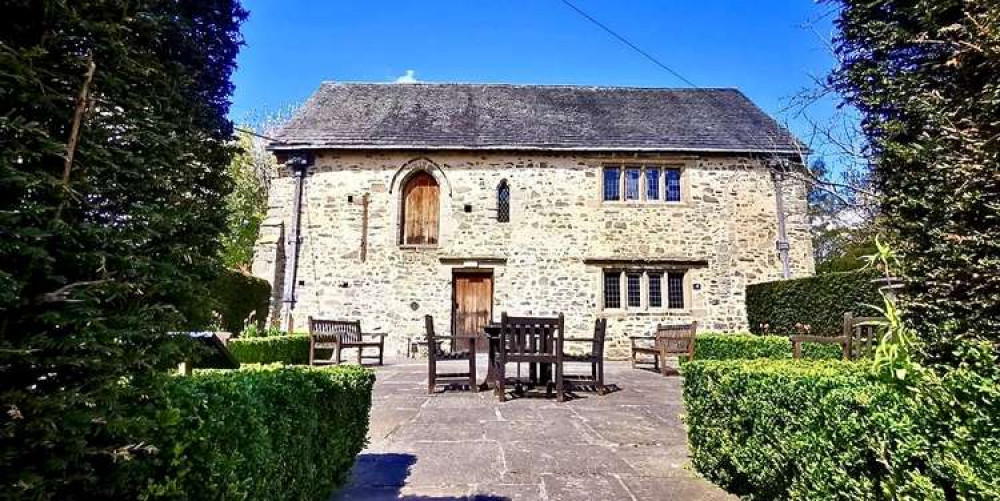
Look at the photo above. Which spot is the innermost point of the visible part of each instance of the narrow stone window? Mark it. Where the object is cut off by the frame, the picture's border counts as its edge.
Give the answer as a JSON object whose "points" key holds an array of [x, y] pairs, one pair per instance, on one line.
{"points": [[652, 183], [632, 175], [421, 207], [612, 183], [503, 202], [675, 290], [673, 180], [612, 289], [655, 290], [634, 290]]}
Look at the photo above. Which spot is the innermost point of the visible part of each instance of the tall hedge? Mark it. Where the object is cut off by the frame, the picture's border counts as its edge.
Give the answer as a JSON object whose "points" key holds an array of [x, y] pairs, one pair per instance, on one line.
{"points": [[925, 77], [819, 301], [236, 295], [258, 433], [769, 429], [114, 144]]}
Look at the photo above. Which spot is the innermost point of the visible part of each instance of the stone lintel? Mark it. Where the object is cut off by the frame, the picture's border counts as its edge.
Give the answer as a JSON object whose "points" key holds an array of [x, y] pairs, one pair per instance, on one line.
{"points": [[626, 262]]}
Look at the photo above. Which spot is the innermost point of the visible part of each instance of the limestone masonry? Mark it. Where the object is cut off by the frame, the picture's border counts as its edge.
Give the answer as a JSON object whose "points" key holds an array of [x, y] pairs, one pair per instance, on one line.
{"points": [[549, 258]]}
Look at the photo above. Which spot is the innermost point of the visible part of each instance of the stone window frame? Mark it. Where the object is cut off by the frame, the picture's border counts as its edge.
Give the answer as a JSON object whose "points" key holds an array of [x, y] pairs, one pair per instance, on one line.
{"points": [[662, 166], [644, 288]]}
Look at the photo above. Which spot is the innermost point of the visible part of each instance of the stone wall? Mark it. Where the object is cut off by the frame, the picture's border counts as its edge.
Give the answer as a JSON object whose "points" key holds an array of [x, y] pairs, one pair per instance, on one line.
{"points": [[546, 259]]}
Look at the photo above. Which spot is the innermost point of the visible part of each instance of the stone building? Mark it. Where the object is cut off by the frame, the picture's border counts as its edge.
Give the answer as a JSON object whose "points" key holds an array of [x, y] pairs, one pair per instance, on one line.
{"points": [[462, 201]]}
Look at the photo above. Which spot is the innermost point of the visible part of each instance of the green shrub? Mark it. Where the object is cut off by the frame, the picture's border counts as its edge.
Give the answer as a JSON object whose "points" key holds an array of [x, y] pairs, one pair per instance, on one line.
{"points": [[781, 429], [237, 296], [714, 346], [818, 301], [258, 433], [293, 349]]}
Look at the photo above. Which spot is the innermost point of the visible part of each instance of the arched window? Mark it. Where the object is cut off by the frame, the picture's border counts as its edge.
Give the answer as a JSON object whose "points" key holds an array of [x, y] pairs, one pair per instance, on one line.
{"points": [[420, 210], [503, 202]]}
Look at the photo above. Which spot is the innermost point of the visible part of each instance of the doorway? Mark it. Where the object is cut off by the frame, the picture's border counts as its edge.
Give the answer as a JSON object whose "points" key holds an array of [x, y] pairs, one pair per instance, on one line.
{"points": [[472, 306]]}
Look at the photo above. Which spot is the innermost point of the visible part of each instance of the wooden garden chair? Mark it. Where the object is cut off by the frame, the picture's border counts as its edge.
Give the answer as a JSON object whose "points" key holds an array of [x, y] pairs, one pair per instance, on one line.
{"points": [[435, 354], [859, 339], [336, 335], [595, 358], [536, 341]]}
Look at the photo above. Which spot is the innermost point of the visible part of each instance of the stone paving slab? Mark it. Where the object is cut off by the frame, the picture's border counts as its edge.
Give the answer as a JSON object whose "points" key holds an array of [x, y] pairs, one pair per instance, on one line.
{"points": [[461, 445]]}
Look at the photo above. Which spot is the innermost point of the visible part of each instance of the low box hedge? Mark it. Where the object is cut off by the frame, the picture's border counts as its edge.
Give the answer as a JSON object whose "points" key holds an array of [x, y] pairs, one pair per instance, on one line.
{"points": [[288, 349], [781, 429], [258, 433], [717, 346]]}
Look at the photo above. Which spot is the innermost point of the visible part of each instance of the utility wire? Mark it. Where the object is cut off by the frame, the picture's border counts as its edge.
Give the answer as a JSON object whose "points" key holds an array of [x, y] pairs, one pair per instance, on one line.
{"points": [[252, 133], [630, 44], [657, 62]]}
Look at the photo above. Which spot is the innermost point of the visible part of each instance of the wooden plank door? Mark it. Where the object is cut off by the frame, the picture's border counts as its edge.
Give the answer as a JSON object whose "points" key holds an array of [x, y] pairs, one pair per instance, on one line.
{"points": [[473, 306]]}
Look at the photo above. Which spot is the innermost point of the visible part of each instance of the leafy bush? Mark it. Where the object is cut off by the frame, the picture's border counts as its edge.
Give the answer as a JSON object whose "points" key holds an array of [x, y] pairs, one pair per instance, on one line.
{"points": [[114, 140], [778, 429], [293, 349], [258, 433], [712, 346], [241, 298], [818, 301]]}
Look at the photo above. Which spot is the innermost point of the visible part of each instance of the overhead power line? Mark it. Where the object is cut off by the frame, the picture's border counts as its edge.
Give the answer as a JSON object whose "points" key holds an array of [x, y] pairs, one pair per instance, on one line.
{"points": [[629, 43], [252, 133]]}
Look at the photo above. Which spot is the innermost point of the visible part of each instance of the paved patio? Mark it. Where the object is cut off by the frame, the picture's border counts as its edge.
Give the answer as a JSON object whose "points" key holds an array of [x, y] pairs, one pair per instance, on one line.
{"points": [[457, 445]]}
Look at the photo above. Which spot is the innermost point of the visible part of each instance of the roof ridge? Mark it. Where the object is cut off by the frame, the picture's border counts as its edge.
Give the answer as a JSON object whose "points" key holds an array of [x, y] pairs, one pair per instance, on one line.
{"points": [[528, 86]]}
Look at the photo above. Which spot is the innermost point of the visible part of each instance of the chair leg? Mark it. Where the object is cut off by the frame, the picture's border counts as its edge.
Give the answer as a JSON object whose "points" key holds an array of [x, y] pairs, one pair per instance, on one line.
{"points": [[472, 372], [501, 380], [633, 359], [312, 354], [600, 377], [337, 353], [381, 350], [360, 352], [560, 384]]}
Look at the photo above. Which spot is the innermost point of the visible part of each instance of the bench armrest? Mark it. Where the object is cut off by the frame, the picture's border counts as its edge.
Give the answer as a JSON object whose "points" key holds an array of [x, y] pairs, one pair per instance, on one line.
{"points": [[642, 337], [579, 339]]}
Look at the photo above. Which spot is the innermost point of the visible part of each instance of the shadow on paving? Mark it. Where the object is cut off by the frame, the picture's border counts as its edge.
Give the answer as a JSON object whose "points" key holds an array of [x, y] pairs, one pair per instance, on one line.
{"points": [[383, 476]]}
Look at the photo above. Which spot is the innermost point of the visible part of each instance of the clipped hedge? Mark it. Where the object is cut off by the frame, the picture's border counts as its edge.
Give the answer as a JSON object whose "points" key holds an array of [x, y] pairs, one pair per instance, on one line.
{"points": [[779, 429], [236, 295], [259, 433], [819, 301], [288, 349], [712, 346]]}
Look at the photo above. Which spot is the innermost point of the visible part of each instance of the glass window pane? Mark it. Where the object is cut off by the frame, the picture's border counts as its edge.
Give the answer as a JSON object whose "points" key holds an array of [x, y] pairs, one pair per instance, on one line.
{"points": [[612, 289], [632, 183], [675, 290], [633, 290], [652, 184], [655, 290], [611, 183], [673, 177], [503, 202]]}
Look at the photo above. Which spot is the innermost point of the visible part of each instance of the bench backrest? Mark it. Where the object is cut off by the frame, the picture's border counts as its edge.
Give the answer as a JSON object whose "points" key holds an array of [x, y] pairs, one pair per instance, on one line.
{"points": [[676, 339], [348, 331], [863, 334]]}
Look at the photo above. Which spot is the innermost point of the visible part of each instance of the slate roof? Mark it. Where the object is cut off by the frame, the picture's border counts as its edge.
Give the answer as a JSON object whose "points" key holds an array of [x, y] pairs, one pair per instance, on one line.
{"points": [[531, 117]]}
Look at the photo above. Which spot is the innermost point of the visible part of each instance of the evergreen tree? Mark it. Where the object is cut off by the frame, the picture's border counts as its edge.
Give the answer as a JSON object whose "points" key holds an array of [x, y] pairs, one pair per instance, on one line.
{"points": [[925, 75], [114, 144]]}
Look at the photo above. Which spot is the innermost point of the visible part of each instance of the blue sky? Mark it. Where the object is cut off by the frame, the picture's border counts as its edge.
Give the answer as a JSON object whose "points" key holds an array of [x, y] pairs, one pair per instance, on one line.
{"points": [[762, 48]]}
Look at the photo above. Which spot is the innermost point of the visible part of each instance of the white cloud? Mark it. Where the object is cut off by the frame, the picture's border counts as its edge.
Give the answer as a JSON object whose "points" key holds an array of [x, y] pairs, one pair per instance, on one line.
{"points": [[409, 77]]}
